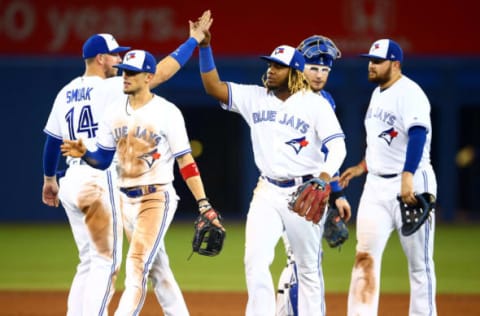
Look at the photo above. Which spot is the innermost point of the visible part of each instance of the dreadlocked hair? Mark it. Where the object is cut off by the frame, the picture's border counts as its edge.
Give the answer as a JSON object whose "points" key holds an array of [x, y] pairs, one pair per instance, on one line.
{"points": [[296, 81]]}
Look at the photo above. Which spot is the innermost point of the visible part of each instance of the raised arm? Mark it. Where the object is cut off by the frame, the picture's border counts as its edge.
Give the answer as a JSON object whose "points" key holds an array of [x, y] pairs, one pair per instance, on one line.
{"points": [[172, 63], [210, 78]]}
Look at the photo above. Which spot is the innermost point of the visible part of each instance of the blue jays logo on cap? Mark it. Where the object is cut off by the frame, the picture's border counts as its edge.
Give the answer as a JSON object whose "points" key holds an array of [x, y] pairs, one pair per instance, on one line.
{"points": [[385, 49], [287, 56], [130, 55]]}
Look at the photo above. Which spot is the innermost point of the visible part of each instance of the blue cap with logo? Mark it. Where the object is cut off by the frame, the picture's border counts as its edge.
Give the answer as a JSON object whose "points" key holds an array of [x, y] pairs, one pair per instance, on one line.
{"points": [[138, 61], [385, 49], [287, 56], [102, 43]]}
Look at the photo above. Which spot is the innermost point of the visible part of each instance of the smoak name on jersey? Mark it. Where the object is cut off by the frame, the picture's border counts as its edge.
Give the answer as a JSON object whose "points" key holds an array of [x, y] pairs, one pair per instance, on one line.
{"points": [[78, 95]]}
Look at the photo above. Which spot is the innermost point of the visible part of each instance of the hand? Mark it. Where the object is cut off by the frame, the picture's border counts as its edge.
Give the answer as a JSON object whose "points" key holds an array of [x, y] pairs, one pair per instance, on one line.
{"points": [[349, 174], [50, 191], [344, 208], [206, 41], [202, 25], [206, 209], [406, 192], [73, 148]]}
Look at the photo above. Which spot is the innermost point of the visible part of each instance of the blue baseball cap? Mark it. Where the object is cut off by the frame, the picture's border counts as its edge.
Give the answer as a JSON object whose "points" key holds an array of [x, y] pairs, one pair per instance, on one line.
{"points": [[103, 43], [138, 61], [287, 56], [385, 49]]}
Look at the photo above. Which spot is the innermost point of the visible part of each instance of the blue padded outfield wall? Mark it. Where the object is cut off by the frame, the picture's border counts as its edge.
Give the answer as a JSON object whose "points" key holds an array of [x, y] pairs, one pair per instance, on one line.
{"points": [[29, 86]]}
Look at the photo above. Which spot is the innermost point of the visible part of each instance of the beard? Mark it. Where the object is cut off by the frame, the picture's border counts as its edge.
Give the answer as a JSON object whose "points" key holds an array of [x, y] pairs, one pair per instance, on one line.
{"points": [[380, 78]]}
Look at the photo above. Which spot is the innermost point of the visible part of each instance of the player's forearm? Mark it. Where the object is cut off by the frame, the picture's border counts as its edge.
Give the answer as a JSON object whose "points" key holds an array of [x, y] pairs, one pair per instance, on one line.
{"points": [[172, 63], [51, 155], [99, 159], [191, 175], [210, 78], [417, 136], [195, 185]]}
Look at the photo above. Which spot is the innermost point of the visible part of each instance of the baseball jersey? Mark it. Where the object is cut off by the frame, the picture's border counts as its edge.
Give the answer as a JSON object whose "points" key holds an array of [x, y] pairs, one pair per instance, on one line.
{"points": [[389, 116], [146, 140], [79, 108], [287, 136]]}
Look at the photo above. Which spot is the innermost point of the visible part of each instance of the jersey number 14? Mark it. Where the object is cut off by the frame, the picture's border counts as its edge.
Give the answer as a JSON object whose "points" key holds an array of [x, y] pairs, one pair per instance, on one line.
{"points": [[86, 124]]}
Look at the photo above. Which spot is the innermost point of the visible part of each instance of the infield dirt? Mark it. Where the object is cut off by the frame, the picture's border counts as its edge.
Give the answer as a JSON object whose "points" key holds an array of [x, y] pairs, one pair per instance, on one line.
{"points": [[53, 303]]}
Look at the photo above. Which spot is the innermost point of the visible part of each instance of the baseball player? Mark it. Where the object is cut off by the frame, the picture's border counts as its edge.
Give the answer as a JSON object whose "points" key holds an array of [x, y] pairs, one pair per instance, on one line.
{"points": [[319, 53], [89, 196], [148, 133], [289, 124], [397, 157]]}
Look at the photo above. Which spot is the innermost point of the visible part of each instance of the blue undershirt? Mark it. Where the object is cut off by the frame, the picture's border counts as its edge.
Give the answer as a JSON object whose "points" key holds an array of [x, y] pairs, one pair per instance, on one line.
{"points": [[99, 159], [51, 155], [417, 136]]}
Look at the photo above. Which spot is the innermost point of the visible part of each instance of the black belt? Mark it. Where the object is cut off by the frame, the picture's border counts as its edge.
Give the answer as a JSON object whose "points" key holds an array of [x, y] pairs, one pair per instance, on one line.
{"points": [[388, 176], [289, 182], [141, 190]]}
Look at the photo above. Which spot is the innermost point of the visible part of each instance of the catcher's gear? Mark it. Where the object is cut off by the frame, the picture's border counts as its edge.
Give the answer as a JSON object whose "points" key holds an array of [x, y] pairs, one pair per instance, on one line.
{"points": [[287, 293], [310, 199], [413, 216], [208, 238], [335, 231], [319, 50]]}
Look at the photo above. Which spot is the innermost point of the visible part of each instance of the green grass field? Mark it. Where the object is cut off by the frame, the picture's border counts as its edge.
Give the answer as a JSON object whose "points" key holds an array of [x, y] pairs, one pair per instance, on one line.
{"points": [[43, 256]]}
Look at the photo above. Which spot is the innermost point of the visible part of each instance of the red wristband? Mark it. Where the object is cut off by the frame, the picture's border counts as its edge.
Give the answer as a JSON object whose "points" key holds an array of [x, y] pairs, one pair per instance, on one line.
{"points": [[190, 170]]}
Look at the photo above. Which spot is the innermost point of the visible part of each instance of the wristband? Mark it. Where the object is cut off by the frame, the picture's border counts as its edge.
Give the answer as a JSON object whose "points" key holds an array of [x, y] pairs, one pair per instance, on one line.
{"points": [[207, 63], [205, 206], [190, 170], [183, 53]]}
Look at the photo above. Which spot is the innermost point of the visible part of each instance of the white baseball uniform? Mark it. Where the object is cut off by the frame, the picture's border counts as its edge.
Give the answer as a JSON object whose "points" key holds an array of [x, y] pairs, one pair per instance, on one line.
{"points": [[287, 137], [390, 115], [147, 141], [88, 195]]}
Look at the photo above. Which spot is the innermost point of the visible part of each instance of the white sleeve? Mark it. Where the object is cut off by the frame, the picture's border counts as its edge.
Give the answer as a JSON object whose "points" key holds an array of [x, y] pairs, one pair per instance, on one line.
{"points": [[337, 152], [105, 138], [177, 134]]}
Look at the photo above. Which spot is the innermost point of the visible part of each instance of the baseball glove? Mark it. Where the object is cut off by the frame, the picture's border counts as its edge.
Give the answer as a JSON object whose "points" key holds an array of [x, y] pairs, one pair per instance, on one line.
{"points": [[310, 199], [208, 238], [413, 216], [335, 231]]}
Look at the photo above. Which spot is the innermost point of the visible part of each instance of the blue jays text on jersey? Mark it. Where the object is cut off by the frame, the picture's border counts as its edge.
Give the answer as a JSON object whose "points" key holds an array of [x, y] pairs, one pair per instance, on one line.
{"points": [[140, 132], [77, 95], [289, 120], [384, 116]]}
